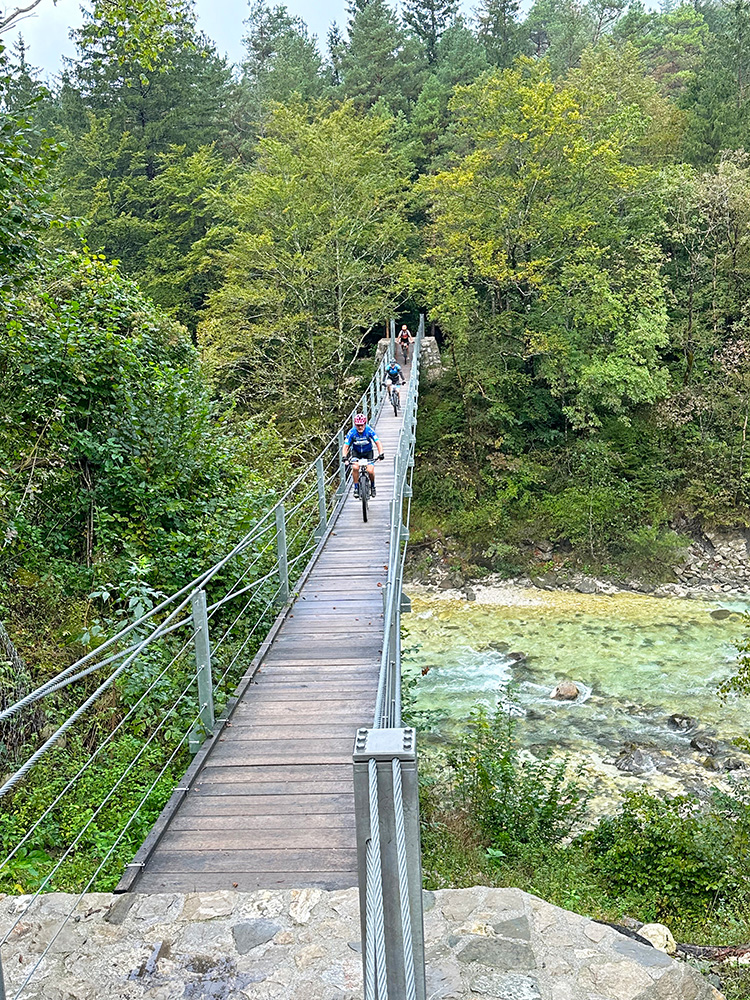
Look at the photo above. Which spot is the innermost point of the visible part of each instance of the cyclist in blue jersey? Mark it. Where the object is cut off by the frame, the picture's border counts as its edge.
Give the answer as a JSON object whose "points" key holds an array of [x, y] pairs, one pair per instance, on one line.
{"points": [[394, 373], [360, 441]]}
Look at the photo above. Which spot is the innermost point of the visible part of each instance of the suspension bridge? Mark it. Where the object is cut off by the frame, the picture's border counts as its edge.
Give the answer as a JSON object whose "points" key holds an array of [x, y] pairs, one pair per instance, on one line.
{"points": [[271, 802], [286, 659]]}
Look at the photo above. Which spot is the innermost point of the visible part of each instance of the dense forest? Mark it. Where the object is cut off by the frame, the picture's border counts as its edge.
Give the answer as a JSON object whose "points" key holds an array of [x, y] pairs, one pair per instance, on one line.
{"points": [[196, 260], [565, 193]]}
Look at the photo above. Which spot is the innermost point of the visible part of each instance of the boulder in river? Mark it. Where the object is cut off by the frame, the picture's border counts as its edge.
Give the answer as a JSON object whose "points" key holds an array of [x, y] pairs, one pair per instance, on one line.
{"points": [[721, 613], [734, 763], [587, 587], [704, 745], [635, 762], [683, 723], [565, 691], [517, 657]]}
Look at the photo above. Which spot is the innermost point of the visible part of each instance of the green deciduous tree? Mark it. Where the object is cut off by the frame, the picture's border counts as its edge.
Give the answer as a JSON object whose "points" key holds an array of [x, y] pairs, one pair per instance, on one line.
{"points": [[109, 449], [314, 266], [612, 80], [670, 44], [24, 160], [540, 264]]}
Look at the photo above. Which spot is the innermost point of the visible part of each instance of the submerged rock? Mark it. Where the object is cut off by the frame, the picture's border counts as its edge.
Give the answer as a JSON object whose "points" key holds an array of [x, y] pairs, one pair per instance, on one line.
{"points": [[721, 613], [565, 691], [587, 587]]}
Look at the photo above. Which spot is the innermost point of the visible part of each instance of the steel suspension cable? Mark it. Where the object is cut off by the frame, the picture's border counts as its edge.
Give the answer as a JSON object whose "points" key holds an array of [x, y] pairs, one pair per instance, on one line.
{"points": [[93, 816]]}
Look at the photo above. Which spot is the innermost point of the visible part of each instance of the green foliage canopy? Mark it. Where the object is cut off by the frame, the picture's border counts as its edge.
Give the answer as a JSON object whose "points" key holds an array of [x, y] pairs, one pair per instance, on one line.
{"points": [[319, 233]]}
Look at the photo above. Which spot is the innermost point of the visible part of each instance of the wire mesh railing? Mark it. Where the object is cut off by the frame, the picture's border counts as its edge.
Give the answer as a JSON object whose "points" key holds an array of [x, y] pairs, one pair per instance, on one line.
{"points": [[385, 773], [92, 755]]}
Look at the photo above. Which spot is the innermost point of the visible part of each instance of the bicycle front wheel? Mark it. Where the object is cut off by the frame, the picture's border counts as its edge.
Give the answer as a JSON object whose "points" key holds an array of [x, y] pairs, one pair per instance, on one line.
{"points": [[396, 402], [364, 494]]}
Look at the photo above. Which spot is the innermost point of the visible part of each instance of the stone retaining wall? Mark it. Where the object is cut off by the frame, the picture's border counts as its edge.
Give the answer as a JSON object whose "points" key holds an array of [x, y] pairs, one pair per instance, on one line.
{"points": [[715, 563], [304, 945]]}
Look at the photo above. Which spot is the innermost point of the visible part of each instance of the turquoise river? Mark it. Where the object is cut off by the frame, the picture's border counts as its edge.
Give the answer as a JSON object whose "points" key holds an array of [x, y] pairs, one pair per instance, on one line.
{"points": [[638, 661]]}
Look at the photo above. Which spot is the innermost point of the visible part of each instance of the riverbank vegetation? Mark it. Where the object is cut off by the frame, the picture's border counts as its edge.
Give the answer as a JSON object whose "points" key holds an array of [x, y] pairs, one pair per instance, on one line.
{"points": [[494, 815], [196, 261]]}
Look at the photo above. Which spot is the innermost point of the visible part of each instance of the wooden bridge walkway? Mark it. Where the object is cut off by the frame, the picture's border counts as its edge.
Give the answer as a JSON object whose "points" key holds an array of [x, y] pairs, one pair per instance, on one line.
{"points": [[272, 805]]}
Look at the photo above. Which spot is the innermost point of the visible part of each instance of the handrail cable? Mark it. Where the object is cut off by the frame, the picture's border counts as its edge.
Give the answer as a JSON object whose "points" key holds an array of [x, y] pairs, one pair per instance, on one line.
{"points": [[96, 812], [108, 738], [104, 861]]}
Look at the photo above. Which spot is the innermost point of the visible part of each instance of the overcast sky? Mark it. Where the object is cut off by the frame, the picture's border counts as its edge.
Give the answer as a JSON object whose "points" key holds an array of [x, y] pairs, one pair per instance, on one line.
{"points": [[46, 33]]}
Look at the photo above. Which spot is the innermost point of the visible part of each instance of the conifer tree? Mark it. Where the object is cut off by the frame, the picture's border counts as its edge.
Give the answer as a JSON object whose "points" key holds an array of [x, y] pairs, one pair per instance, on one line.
{"points": [[123, 126], [459, 58], [336, 51], [428, 19], [380, 62], [499, 30], [281, 59]]}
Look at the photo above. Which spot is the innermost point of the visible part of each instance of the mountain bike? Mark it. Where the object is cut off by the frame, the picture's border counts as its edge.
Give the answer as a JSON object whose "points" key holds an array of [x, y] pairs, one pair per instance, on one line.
{"points": [[405, 351], [365, 486], [393, 396]]}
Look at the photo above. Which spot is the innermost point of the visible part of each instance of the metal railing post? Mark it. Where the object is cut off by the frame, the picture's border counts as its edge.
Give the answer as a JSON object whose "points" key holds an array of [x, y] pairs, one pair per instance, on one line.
{"points": [[203, 660], [2, 982], [342, 468], [282, 554], [392, 346], [372, 401], [322, 511], [386, 803]]}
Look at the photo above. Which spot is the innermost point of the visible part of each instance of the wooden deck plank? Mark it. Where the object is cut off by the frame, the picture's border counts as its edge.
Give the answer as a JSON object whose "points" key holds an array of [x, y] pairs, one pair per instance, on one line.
{"points": [[294, 791], [204, 859], [222, 841], [265, 814]]}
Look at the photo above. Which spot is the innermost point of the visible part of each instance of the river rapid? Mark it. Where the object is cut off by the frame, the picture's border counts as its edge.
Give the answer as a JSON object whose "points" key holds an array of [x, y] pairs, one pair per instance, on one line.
{"points": [[648, 670]]}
